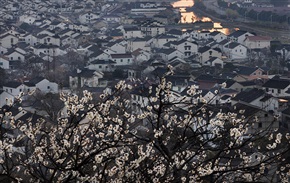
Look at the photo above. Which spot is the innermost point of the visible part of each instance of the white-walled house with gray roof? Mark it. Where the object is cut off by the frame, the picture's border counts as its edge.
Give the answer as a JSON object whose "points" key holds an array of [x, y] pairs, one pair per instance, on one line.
{"points": [[43, 85], [217, 36], [205, 53], [277, 87], [170, 53], [236, 51], [160, 40], [15, 88], [8, 40], [5, 98], [4, 63], [186, 47]]}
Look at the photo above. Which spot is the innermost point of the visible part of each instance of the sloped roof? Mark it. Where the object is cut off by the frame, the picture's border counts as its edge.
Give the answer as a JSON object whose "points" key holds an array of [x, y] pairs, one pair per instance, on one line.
{"points": [[249, 110], [259, 38], [167, 51], [233, 45], [214, 33], [36, 80], [250, 95], [12, 84], [175, 32], [121, 55], [277, 83], [237, 33], [204, 49], [247, 83], [103, 62], [243, 70]]}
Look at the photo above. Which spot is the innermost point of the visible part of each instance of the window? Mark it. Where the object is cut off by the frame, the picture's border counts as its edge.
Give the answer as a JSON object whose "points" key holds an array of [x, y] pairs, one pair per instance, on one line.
{"points": [[18, 58], [266, 115], [20, 90], [121, 60], [12, 40], [267, 89], [260, 125], [279, 90], [100, 66]]}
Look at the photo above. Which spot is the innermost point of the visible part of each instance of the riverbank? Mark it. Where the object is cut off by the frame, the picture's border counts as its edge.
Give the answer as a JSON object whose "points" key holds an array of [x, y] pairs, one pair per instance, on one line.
{"points": [[260, 29]]}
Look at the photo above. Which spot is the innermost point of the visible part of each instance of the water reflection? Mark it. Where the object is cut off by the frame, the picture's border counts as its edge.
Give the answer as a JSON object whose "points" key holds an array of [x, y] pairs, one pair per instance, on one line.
{"points": [[183, 3], [191, 17]]}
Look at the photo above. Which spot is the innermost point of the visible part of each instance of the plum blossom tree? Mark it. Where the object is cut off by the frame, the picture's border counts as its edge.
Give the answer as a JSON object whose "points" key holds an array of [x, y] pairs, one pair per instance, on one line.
{"points": [[166, 137]]}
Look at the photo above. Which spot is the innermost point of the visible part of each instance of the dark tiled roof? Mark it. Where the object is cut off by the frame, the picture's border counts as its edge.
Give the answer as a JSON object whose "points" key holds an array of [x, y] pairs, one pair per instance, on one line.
{"points": [[232, 45], [12, 84], [249, 96], [36, 80], [249, 110], [237, 33], [286, 111], [203, 49], [277, 83], [121, 55], [85, 73], [175, 32], [103, 62], [214, 33], [243, 70], [247, 83], [167, 51]]}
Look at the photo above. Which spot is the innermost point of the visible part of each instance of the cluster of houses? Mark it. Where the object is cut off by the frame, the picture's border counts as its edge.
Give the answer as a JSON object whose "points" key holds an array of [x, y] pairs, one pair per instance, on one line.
{"points": [[117, 40]]}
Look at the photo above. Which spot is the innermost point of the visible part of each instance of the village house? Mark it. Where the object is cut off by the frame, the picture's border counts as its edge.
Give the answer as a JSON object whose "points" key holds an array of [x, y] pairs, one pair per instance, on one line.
{"points": [[205, 53], [15, 88], [217, 36], [244, 73], [5, 98], [102, 65], [122, 59], [169, 53], [132, 32], [84, 78], [152, 28], [88, 18], [277, 87], [257, 42], [239, 36], [138, 43], [43, 85], [8, 40], [186, 47], [258, 98], [236, 51]]}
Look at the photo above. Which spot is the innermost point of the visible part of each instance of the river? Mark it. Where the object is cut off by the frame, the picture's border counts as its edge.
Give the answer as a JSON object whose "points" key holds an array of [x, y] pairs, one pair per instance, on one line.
{"points": [[191, 17]]}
